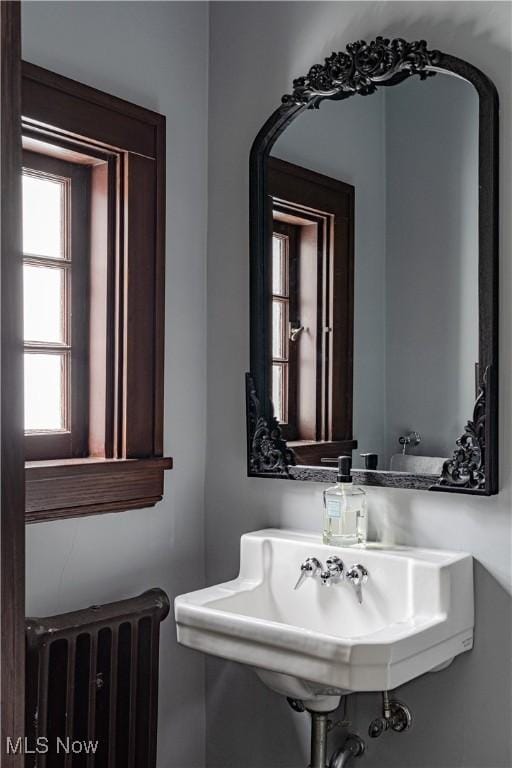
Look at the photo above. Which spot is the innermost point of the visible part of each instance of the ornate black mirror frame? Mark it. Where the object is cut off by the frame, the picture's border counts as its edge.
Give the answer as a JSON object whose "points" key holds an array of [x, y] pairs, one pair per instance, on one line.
{"points": [[361, 70]]}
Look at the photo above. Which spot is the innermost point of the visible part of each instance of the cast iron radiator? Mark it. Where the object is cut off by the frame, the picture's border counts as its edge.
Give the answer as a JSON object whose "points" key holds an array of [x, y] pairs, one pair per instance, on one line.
{"points": [[92, 685]]}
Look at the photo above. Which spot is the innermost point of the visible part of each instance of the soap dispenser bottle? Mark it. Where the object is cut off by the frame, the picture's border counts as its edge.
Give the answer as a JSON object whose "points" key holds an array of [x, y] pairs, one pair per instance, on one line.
{"points": [[345, 517]]}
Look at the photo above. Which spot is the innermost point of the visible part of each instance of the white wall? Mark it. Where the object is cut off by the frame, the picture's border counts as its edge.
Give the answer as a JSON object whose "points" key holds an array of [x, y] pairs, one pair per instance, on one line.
{"points": [[154, 54], [347, 141], [462, 715]]}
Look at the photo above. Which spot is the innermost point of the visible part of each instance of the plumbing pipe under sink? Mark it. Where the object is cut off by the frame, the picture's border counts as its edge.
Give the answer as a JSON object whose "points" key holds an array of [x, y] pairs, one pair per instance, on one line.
{"points": [[354, 746]]}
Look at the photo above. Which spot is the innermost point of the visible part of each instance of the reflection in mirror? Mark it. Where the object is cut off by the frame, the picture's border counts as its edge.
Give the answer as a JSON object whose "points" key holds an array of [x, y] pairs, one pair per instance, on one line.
{"points": [[375, 275], [312, 300]]}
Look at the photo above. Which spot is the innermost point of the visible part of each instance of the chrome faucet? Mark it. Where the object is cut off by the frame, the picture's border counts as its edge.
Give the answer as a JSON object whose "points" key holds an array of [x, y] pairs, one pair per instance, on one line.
{"points": [[309, 567], [334, 573], [357, 575], [411, 440]]}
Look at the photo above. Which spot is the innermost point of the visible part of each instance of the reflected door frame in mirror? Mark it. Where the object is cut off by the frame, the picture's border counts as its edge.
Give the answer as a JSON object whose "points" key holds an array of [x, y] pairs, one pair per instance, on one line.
{"points": [[361, 70]]}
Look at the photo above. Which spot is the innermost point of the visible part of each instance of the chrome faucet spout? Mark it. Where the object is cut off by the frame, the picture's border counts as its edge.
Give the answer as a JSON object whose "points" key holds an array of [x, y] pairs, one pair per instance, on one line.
{"points": [[333, 572]]}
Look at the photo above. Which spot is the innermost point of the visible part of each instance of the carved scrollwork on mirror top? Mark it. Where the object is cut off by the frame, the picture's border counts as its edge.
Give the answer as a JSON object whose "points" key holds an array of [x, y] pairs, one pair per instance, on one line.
{"points": [[360, 70]]}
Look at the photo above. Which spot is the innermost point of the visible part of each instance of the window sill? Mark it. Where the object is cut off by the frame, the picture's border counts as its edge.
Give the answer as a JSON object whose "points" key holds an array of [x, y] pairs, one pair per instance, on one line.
{"points": [[313, 453], [77, 487]]}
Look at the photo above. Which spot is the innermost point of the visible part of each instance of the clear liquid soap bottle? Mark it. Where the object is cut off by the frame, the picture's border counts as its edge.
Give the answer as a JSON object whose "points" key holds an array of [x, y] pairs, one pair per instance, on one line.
{"points": [[345, 516]]}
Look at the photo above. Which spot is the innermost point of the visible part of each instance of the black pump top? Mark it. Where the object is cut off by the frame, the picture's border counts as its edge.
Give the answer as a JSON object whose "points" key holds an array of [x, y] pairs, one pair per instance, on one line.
{"points": [[344, 467]]}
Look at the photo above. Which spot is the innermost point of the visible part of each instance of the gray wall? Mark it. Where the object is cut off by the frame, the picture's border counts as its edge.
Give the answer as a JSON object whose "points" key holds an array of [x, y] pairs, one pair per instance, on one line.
{"points": [[462, 714], [347, 141], [431, 260], [154, 54]]}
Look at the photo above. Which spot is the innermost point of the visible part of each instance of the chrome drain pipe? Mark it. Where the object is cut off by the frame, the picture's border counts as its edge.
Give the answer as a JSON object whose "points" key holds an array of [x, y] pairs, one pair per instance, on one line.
{"points": [[354, 746], [319, 730]]}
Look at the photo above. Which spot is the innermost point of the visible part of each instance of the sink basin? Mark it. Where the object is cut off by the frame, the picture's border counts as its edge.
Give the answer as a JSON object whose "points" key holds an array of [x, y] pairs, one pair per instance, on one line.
{"points": [[319, 642]]}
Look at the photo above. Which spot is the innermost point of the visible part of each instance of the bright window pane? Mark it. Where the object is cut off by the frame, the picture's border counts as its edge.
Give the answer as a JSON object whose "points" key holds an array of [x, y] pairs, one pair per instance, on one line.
{"points": [[44, 392], [279, 253], [43, 303], [277, 264], [278, 392], [278, 329], [43, 216]]}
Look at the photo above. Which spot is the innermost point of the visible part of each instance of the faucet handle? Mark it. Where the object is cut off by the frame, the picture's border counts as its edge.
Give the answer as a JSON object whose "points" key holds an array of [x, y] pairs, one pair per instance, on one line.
{"points": [[357, 575], [335, 565], [334, 570], [309, 567]]}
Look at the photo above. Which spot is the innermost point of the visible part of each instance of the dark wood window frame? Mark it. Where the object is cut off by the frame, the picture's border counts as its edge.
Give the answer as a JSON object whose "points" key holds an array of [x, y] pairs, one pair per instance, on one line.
{"points": [[72, 442], [289, 299], [301, 197], [124, 465]]}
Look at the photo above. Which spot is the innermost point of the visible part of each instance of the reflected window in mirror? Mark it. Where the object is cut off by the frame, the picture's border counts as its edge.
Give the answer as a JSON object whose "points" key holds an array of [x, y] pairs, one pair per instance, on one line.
{"points": [[285, 328], [312, 310]]}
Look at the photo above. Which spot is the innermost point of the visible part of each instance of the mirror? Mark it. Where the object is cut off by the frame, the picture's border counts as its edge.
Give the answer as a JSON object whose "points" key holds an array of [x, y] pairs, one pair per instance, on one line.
{"points": [[374, 271]]}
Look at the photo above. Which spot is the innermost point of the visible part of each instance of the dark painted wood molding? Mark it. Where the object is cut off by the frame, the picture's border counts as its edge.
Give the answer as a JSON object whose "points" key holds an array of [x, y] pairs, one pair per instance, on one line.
{"points": [[329, 203], [127, 297], [109, 120], [79, 487], [12, 643], [362, 69]]}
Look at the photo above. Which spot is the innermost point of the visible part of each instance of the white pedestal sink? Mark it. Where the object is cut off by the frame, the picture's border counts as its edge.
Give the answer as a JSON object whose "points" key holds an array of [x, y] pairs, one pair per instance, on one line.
{"points": [[319, 642]]}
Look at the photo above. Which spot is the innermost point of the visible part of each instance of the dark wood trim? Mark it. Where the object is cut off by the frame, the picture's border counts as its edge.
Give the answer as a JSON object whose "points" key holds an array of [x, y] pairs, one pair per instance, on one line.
{"points": [[12, 643], [42, 470], [66, 513], [87, 113], [330, 203], [159, 350], [128, 285], [312, 454], [77, 487], [139, 309], [362, 69], [290, 231], [44, 140], [102, 301], [329, 187]]}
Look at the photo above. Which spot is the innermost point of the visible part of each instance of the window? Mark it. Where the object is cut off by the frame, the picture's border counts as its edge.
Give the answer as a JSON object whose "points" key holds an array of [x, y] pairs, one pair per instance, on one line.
{"points": [[312, 310], [280, 315], [56, 203], [285, 326], [93, 261]]}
